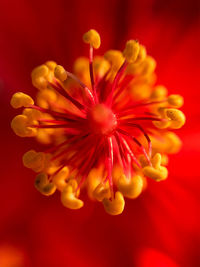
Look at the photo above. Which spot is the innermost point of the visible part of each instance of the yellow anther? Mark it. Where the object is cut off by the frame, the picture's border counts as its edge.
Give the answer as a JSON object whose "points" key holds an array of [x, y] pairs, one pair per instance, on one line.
{"points": [[177, 118], [165, 122], [81, 69], [81, 65], [114, 206], [73, 183], [159, 93], [133, 69], [20, 126], [60, 73], [60, 178], [43, 185], [32, 114], [164, 159], [93, 38], [69, 199], [101, 66], [131, 51], [156, 171], [40, 82], [148, 66], [102, 191], [93, 181], [40, 76], [117, 172], [43, 137], [156, 160], [34, 160], [141, 55], [115, 58], [39, 71], [130, 188], [19, 100], [48, 189], [41, 180], [157, 175], [173, 143], [140, 91], [168, 143], [46, 96], [51, 65], [144, 68], [175, 100]]}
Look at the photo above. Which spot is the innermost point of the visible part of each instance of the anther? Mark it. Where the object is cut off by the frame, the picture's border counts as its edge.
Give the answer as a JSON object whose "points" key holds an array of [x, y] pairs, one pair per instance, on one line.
{"points": [[43, 185], [51, 65], [40, 76], [93, 181], [81, 69], [115, 58], [173, 143], [102, 191], [32, 114], [164, 123], [93, 38], [20, 99], [101, 66], [34, 160], [114, 206], [141, 55], [175, 101], [156, 172], [60, 178], [177, 118], [131, 51], [60, 73], [20, 125], [148, 66], [130, 188], [69, 200], [159, 93], [46, 97]]}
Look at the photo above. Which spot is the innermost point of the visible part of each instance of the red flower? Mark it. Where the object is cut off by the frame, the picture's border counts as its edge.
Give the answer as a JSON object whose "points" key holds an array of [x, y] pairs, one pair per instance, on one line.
{"points": [[162, 225]]}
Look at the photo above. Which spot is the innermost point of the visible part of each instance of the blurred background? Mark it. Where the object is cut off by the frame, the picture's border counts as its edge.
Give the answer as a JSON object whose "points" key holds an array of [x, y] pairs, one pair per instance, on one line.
{"points": [[161, 227]]}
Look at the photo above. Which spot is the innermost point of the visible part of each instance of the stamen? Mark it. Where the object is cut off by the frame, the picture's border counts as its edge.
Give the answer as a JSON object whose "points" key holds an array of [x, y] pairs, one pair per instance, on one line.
{"points": [[141, 119], [64, 93], [60, 73], [56, 114], [92, 73], [115, 82], [87, 90], [127, 148], [110, 164], [138, 143], [130, 110], [145, 135], [131, 51]]}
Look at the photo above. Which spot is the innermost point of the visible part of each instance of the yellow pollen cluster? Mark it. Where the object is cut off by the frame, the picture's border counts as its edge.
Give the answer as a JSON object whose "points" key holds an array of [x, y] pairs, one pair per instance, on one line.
{"points": [[131, 51], [92, 37], [106, 127]]}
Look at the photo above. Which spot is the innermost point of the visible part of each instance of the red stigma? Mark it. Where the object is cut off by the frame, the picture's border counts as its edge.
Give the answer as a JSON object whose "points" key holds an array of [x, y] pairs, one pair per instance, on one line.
{"points": [[102, 120]]}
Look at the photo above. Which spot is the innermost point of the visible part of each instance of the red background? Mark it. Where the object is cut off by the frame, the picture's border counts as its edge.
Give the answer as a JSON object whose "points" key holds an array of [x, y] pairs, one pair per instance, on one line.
{"points": [[161, 227]]}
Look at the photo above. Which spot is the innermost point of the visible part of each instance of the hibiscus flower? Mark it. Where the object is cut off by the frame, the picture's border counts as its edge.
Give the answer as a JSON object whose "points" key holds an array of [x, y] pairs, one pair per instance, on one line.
{"points": [[161, 226]]}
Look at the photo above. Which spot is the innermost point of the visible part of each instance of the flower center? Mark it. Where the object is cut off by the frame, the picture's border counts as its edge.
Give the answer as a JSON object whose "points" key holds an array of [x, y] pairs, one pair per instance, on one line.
{"points": [[102, 120]]}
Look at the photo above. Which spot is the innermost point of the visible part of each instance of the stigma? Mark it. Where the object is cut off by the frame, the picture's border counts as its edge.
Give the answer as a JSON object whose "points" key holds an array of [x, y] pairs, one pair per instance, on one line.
{"points": [[106, 128], [102, 120]]}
